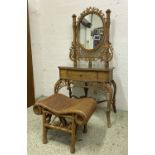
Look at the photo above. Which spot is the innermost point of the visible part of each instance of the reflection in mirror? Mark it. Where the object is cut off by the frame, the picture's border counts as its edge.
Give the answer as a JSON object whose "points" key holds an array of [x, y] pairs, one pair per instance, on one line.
{"points": [[91, 31]]}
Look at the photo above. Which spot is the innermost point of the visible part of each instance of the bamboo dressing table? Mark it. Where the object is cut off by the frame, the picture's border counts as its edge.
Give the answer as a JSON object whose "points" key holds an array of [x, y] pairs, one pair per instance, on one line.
{"points": [[90, 43]]}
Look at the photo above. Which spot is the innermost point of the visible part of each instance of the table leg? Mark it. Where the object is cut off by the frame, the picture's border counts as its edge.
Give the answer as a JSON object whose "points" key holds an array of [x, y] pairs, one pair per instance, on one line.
{"points": [[108, 113], [109, 102], [114, 96], [70, 90], [86, 89]]}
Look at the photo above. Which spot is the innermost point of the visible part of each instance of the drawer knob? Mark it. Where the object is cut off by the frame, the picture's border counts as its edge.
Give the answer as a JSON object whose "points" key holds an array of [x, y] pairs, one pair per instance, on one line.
{"points": [[80, 75]]}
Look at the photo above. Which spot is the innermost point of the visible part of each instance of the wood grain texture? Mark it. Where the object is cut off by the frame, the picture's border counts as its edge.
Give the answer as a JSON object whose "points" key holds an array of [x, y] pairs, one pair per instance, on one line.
{"points": [[85, 74]]}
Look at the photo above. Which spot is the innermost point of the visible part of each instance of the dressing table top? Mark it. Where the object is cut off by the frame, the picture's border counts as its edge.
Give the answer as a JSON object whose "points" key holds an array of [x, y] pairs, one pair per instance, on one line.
{"points": [[85, 69]]}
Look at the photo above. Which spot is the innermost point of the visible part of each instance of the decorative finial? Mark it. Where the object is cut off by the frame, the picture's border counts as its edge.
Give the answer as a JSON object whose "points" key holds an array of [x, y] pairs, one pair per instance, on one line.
{"points": [[108, 11], [74, 15]]}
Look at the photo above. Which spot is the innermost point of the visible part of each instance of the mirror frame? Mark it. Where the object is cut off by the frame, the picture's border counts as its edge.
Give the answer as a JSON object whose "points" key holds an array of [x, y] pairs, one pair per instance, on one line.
{"points": [[80, 18]]}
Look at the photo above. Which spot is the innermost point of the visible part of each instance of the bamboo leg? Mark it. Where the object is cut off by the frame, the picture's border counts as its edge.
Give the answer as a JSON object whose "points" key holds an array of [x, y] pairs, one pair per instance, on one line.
{"points": [[73, 136], [108, 119], [85, 128], [109, 111], [44, 129], [109, 102]]}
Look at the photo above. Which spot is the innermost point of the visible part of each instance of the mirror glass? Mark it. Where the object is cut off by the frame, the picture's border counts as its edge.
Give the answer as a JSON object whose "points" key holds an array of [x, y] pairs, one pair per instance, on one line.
{"points": [[91, 31]]}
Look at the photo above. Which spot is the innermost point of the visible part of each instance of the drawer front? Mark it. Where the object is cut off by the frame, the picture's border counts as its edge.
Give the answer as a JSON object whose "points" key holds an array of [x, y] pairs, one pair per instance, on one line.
{"points": [[84, 75], [80, 75], [103, 76]]}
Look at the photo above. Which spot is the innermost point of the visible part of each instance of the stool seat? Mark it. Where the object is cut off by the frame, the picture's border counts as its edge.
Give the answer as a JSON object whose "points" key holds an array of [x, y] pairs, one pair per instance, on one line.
{"points": [[61, 104]]}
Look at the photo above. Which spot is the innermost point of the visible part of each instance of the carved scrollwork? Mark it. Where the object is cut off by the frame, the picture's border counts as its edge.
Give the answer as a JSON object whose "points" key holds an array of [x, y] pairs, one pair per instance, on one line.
{"points": [[72, 53], [89, 11], [107, 87], [107, 54], [61, 83]]}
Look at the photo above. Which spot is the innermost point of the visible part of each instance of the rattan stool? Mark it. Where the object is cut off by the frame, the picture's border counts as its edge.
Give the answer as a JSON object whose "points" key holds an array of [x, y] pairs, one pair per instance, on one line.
{"points": [[71, 113]]}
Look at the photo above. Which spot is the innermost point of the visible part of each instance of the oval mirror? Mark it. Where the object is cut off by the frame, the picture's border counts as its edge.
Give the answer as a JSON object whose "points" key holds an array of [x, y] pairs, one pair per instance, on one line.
{"points": [[90, 31]]}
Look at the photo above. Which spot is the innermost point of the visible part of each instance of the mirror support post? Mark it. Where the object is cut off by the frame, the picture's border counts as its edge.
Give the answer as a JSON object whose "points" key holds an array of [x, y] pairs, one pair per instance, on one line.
{"points": [[107, 65], [107, 24], [107, 35], [74, 40], [90, 64]]}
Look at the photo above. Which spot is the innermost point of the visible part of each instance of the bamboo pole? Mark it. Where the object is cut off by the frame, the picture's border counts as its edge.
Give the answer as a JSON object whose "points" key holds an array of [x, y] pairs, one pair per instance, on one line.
{"points": [[74, 39]]}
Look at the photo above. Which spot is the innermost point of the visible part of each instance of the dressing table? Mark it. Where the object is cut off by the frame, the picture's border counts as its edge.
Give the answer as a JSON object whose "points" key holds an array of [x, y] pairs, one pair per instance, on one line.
{"points": [[90, 43]]}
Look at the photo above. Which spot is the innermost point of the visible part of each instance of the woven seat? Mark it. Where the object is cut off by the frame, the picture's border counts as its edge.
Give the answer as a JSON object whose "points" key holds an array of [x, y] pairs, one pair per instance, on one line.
{"points": [[77, 110]]}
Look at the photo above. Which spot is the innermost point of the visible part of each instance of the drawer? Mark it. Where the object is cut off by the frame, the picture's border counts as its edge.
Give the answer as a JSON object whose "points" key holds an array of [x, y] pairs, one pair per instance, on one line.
{"points": [[81, 75], [85, 75], [78, 75]]}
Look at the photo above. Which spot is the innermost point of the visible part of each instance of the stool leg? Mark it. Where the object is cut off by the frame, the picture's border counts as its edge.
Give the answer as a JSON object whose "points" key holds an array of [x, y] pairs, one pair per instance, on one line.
{"points": [[73, 136], [44, 129], [85, 128]]}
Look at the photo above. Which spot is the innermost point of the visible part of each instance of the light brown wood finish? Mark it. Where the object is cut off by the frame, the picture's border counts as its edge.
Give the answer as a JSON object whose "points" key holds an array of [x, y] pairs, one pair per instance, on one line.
{"points": [[68, 128], [103, 51], [91, 75], [94, 75], [59, 112]]}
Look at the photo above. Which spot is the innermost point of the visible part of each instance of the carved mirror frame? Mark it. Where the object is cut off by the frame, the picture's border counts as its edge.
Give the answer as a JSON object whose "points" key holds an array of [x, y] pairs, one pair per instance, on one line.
{"points": [[79, 21], [103, 51]]}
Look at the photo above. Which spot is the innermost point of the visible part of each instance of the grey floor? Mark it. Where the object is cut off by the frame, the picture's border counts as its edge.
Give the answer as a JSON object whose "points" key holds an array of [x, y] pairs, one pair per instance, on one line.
{"points": [[99, 140]]}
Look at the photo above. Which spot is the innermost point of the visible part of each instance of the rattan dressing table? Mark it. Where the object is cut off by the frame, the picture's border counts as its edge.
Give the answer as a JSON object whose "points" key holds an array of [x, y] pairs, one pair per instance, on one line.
{"points": [[94, 46]]}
